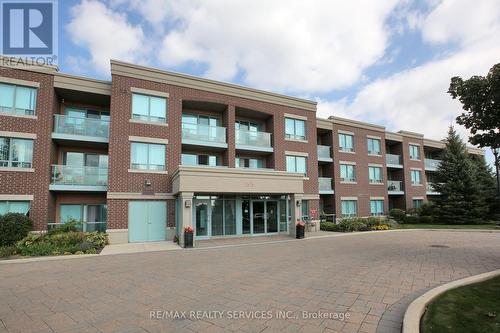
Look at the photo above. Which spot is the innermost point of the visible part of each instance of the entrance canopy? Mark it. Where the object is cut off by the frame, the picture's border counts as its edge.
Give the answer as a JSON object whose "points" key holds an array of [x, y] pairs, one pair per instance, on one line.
{"points": [[232, 180]]}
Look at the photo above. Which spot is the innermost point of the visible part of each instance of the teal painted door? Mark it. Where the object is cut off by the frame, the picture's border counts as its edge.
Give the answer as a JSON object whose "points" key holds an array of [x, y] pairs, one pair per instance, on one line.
{"points": [[147, 221]]}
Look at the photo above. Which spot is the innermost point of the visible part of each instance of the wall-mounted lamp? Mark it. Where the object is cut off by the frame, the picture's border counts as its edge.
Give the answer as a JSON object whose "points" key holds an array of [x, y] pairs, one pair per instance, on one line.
{"points": [[147, 182], [187, 203], [297, 203]]}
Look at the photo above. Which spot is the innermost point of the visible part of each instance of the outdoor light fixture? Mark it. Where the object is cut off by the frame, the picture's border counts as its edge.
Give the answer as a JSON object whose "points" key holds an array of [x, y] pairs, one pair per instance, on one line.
{"points": [[187, 203], [298, 203], [147, 182]]}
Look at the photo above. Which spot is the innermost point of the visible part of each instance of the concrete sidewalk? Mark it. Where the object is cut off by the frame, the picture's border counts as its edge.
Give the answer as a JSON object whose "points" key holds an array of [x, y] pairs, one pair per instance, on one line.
{"points": [[140, 247]]}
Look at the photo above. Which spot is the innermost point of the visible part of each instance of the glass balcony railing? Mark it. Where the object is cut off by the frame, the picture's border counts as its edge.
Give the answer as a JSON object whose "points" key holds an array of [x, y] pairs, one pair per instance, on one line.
{"points": [[393, 159], [395, 186], [205, 134], [431, 164], [324, 152], [430, 188], [79, 176], [253, 138], [325, 184], [89, 127], [82, 226]]}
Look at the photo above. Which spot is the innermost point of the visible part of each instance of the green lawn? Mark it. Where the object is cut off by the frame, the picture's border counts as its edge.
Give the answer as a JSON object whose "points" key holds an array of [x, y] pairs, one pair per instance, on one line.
{"points": [[448, 226], [473, 308]]}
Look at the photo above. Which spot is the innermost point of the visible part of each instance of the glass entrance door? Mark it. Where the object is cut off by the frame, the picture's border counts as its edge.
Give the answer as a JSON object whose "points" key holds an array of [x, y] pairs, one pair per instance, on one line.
{"points": [[265, 217], [259, 217], [202, 217], [272, 216]]}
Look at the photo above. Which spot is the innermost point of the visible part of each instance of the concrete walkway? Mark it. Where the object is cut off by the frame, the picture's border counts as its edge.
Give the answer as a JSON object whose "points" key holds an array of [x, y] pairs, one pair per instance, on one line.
{"points": [[139, 247], [353, 279]]}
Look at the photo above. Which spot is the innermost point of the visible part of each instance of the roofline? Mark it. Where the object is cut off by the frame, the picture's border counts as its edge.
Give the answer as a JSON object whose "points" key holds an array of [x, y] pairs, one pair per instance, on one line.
{"points": [[349, 122], [81, 83], [189, 81]]}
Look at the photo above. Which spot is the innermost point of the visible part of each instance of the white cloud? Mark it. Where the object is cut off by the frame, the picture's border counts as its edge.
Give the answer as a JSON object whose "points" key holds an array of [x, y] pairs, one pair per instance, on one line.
{"points": [[279, 45], [105, 34]]}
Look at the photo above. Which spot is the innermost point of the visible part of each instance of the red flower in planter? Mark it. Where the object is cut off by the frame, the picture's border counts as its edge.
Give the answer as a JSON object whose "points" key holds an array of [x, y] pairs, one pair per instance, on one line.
{"points": [[188, 229], [301, 223]]}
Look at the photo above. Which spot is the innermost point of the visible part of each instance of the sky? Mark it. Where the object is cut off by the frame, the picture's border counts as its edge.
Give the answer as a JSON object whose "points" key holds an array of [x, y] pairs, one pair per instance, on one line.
{"points": [[387, 62]]}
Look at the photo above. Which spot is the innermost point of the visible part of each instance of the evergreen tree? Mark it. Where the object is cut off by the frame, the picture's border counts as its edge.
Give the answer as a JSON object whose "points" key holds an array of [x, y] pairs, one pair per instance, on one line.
{"points": [[487, 185], [461, 201]]}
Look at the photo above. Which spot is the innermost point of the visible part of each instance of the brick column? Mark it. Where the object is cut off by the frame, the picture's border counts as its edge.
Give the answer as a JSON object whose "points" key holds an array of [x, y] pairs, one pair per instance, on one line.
{"points": [[229, 119]]}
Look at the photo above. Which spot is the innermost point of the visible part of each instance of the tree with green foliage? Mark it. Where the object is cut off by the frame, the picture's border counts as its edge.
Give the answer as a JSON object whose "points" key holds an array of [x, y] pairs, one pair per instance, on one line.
{"points": [[461, 200], [486, 182], [480, 98]]}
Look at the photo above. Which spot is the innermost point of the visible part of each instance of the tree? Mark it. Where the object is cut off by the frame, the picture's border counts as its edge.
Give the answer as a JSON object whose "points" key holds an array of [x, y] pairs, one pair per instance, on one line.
{"points": [[480, 98], [461, 200], [486, 182]]}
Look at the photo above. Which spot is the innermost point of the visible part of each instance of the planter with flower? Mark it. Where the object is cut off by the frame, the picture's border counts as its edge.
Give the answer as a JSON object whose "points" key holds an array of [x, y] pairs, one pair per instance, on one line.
{"points": [[188, 236], [300, 228]]}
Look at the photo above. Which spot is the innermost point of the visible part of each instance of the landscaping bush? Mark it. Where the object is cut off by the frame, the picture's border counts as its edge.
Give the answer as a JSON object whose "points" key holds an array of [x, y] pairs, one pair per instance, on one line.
{"points": [[427, 209], [426, 219], [328, 226], [98, 239], [13, 227], [7, 251], [397, 214], [412, 219], [352, 224], [71, 225]]}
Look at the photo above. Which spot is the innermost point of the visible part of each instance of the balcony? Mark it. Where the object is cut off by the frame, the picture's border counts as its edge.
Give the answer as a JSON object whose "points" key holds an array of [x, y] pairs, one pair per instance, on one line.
{"points": [[204, 135], [80, 129], [324, 153], [71, 178], [395, 187], [430, 190], [253, 140], [394, 161], [431, 164], [325, 185]]}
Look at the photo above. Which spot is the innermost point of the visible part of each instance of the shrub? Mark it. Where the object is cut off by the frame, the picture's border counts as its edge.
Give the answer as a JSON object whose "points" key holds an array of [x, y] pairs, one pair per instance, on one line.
{"points": [[71, 225], [14, 227], [381, 227], [98, 239], [85, 246], [328, 226], [79, 252], [91, 251], [352, 224], [37, 249], [413, 211], [7, 251], [427, 209], [412, 219], [397, 214], [375, 221], [426, 219]]}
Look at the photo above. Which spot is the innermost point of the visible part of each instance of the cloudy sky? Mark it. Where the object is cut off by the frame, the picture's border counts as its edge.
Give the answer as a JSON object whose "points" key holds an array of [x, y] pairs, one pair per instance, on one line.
{"points": [[388, 61]]}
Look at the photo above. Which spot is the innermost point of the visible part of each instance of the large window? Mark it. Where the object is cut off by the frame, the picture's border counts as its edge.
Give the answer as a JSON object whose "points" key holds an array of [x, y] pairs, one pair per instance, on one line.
{"points": [[305, 210], [252, 163], [295, 129], [347, 173], [247, 126], [374, 147], [375, 174], [296, 164], [346, 142], [414, 152], [416, 177], [349, 208], [16, 153], [14, 207], [149, 108], [377, 207], [17, 99], [417, 203], [200, 159], [147, 156]]}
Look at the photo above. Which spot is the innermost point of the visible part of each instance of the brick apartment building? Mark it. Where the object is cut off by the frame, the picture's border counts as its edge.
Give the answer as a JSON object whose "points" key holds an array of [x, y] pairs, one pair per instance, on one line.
{"points": [[150, 151]]}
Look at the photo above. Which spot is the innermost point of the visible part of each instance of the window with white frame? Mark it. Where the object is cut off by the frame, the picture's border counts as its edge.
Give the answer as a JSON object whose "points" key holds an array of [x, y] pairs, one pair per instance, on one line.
{"points": [[296, 164], [416, 177], [346, 142], [22, 207], [16, 99], [377, 207], [200, 159], [375, 174], [349, 208], [147, 156], [295, 129], [347, 172], [417, 203], [251, 163], [374, 146], [149, 108], [414, 152], [16, 153]]}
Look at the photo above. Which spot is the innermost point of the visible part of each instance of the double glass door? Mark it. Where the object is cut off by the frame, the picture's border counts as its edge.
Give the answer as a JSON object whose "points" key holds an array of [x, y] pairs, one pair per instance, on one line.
{"points": [[265, 217]]}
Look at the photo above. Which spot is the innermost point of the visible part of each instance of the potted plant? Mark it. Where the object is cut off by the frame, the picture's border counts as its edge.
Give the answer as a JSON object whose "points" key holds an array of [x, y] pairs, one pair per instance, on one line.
{"points": [[188, 237], [300, 228]]}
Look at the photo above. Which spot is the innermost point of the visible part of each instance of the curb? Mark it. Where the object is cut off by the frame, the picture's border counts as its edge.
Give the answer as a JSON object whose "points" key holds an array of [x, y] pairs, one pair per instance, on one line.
{"points": [[415, 311]]}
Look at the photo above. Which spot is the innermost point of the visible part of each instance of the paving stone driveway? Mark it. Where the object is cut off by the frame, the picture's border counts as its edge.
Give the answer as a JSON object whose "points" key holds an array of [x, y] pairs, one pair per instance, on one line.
{"points": [[362, 275]]}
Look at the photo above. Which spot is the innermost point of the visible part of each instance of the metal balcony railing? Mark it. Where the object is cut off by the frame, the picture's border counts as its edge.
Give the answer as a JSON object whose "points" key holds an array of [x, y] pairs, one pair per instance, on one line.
{"points": [[393, 159], [325, 184]]}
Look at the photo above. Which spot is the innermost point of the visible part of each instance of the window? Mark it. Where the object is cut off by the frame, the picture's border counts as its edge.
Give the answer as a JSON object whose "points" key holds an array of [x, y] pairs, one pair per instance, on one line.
{"points": [[296, 164], [416, 177], [349, 208], [346, 142], [17, 99], [305, 210], [194, 159], [252, 163], [22, 207], [377, 207], [374, 147], [375, 174], [16, 153], [147, 156], [84, 113], [295, 129], [247, 126], [414, 152], [417, 203], [149, 108], [347, 173]]}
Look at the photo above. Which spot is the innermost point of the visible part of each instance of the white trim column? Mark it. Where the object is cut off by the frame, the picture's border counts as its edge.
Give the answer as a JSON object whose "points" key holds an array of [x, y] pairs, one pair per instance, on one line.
{"points": [[186, 215], [296, 210]]}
